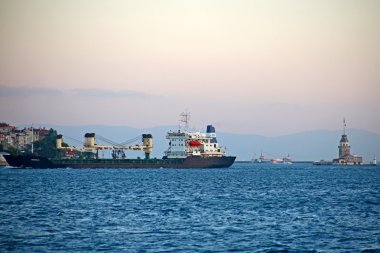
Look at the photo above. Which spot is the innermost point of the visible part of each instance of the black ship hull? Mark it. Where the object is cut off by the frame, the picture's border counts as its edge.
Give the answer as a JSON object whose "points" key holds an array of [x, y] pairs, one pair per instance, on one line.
{"points": [[189, 162]]}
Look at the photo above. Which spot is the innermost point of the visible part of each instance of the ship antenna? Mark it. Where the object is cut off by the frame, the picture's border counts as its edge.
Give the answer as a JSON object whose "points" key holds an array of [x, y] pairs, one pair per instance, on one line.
{"points": [[185, 118]]}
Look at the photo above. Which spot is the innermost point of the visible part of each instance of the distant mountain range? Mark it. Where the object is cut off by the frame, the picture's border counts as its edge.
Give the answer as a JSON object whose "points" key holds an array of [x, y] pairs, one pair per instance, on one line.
{"points": [[304, 146]]}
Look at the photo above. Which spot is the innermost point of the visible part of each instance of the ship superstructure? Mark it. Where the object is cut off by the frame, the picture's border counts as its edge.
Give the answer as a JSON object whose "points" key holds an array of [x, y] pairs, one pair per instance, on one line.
{"points": [[183, 143]]}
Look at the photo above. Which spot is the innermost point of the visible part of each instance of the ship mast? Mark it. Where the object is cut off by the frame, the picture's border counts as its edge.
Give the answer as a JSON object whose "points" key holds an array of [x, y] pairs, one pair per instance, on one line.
{"points": [[185, 118]]}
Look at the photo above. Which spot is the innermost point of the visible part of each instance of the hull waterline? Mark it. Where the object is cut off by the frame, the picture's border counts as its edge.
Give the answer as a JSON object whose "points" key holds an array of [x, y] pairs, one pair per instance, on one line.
{"points": [[189, 162]]}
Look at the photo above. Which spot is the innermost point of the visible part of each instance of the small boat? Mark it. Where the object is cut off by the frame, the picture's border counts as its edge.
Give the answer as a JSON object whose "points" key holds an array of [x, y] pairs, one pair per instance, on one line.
{"points": [[261, 159]]}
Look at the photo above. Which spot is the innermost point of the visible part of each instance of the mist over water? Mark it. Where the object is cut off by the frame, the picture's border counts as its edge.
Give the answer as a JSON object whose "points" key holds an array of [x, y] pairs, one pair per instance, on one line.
{"points": [[246, 208]]}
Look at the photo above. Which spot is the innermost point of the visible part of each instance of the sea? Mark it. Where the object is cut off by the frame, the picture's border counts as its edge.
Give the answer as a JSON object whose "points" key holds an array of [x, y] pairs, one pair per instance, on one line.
{"points": [[245, 208]]}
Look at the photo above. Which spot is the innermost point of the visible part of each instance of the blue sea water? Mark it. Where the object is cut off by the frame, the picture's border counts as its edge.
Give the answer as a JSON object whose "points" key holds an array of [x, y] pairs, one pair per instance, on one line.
{"points": [[246, 208]]}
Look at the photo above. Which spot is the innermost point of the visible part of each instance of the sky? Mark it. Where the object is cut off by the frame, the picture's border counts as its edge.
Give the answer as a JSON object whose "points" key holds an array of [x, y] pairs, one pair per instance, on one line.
{"points": [[269, 67]]}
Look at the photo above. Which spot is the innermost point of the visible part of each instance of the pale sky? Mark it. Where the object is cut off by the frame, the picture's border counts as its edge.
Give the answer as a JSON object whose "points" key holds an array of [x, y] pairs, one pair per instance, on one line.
{"points": [[265, 67]]}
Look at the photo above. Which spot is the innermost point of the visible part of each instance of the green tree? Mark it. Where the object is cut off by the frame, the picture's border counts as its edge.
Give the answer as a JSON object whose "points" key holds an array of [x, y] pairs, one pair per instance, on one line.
{"points": [[47, 146]]}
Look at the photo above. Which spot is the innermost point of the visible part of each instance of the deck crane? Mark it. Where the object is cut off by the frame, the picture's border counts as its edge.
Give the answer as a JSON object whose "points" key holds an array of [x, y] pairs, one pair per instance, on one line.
{"points": [[90, 145]]}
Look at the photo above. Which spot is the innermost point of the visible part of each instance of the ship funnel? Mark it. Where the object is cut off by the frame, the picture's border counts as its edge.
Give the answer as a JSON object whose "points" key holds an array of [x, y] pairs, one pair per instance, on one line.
{"points": [[58, 143], [210, 132], [89, 140], [210, 129], [147, 140]]}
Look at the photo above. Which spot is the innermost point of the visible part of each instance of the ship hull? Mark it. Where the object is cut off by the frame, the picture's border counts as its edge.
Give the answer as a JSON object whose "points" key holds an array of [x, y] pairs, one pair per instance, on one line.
{"points": [[189, 162]]}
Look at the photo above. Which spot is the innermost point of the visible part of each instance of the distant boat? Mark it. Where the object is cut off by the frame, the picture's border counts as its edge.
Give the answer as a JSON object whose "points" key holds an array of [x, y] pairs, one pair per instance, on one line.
{"points": [[261, 159], [276, 160], [287, 160], [322, 162], [374, 162]]}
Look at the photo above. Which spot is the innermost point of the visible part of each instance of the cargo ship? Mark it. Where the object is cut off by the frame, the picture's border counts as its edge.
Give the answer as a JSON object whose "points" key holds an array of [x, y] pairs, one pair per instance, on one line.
{"points": [[186, 150]]}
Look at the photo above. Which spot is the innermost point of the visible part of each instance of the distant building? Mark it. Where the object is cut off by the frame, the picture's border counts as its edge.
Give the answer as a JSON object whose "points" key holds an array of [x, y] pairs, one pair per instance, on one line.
{"points": [[345, 156], [6, 139], [10, 136], [21, 140], [32, 134], [6, 128]]}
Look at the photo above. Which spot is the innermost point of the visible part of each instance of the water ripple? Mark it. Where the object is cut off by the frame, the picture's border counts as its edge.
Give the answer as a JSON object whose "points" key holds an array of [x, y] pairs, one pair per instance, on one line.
{"points": [[247, 208]]}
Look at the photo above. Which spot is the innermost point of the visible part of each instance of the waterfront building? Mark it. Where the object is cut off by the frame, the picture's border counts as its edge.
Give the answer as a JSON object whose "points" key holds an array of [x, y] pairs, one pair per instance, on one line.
{"points": [[32, 134], [5, 128], [10, 136]]}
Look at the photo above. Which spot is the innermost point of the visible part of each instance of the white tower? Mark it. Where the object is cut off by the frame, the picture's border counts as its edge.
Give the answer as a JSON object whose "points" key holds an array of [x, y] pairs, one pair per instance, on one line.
{"points": [[344, 144]]}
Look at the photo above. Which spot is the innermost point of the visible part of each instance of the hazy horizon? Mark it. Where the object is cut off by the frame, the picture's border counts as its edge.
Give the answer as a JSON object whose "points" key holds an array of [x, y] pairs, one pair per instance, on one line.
{"points": [[265, 67]]}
